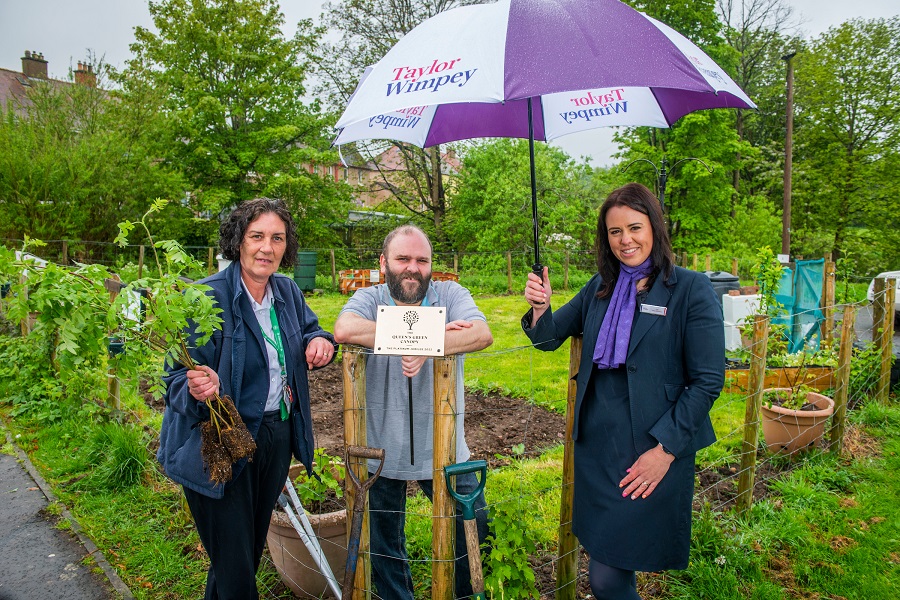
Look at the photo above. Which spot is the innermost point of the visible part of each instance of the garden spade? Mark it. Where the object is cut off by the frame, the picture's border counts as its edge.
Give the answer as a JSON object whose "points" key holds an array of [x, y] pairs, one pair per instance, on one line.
{"points": [[359, 504], [467, 502]]}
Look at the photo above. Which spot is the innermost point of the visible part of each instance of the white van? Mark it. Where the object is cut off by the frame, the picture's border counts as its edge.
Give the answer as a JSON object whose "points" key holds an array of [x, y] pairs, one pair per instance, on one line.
{"points": [[887, 275]]}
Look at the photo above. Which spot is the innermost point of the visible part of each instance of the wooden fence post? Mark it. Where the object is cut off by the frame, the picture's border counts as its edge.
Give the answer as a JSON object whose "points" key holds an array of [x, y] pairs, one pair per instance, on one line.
{"points": [[828, 302], [694, 263], [509, 272], [684, 260], [708, 262], [734, 266], [333, 271], [353, 366], [842, 380], [566, 272], [65, 252], [140, 261], [757, 378], [443, 543], [456, 263], [887, 342], [567, 562], [877, 310]]}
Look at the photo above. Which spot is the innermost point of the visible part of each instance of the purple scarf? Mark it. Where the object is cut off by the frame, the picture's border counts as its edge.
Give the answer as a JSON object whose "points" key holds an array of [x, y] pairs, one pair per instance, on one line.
{"points": [[615, 332]]}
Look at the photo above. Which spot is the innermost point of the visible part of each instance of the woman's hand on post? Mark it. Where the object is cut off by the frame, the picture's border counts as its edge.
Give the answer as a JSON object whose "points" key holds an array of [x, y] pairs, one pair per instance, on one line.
{"points": [[318, 352], [203, 383], [537, 294], [646, 473]]}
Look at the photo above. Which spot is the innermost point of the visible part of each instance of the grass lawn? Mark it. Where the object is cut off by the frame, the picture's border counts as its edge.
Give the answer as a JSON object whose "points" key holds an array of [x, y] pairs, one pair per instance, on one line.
{"points": [[830, 528]]}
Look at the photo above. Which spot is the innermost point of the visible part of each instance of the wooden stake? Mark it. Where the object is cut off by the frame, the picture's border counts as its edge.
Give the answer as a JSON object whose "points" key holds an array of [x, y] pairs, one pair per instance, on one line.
{"points": [[333, 271], [708, 262], [456, 263], [842, 381], [567, 563], [878, 303], [209, 261], [694, 264], [443, 544], [65, 252], [828, 301], [140, 262], [887, 342], [353, 365], [734, 266], [747, 474]]}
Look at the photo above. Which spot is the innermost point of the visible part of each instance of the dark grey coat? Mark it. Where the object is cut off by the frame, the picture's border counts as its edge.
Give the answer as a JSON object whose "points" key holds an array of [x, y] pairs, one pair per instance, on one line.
{"points": [[675, 363]]}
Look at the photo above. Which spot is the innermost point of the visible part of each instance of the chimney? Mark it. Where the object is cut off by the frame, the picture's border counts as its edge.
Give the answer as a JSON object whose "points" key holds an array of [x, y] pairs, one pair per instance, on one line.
{"points": [[34, 66], [84, 75]]}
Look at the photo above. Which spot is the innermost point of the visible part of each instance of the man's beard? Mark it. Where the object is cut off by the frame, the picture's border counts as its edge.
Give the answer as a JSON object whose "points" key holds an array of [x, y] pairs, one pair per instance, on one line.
{"points": [[399, 293]]}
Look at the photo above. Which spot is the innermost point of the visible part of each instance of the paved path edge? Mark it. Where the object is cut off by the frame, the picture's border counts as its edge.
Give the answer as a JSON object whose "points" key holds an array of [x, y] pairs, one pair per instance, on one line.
{"points": [[92, 549]]}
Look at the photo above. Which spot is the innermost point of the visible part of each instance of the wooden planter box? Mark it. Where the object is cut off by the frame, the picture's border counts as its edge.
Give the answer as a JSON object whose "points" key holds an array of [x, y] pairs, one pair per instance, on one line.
{"points": [[354, 279], [819, 378]]}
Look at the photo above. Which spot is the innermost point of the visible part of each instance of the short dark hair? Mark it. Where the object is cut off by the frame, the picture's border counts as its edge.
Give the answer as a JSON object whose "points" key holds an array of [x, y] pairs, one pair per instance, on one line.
{"points": [[636, 197], [404, 230], [232, 229]]}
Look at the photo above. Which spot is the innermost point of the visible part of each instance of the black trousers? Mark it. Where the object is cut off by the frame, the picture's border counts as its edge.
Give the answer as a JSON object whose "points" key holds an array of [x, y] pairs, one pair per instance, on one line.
{"points": [[233, 529]]}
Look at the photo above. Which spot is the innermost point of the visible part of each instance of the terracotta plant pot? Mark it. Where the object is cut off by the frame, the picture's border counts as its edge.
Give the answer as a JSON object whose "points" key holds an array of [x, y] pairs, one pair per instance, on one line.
{"points": [[292, 560], [788, 430]]}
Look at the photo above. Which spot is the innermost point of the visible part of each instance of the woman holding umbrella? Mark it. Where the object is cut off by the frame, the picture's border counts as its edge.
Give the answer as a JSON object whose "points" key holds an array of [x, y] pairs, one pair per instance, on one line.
{"points": [[652, 364], [260, 357]]}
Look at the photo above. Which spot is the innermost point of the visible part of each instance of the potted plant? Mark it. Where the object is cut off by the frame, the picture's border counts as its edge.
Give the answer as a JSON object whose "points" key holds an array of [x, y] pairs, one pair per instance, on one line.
{"points": [[320, 495], [793, 418]]}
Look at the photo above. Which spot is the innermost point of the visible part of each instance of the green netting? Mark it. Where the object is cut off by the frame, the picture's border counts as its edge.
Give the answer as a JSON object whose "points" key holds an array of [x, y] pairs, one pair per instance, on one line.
{"points": [[800, 293]]}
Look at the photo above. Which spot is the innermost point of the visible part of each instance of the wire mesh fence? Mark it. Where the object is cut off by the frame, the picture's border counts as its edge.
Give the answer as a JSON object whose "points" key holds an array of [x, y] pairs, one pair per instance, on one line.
{"points": [[536, 493]]}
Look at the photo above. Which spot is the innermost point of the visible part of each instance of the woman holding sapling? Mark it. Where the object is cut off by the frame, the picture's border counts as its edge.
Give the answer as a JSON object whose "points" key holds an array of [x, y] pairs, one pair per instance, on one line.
{"points": [[259, 359], [652, 364]]}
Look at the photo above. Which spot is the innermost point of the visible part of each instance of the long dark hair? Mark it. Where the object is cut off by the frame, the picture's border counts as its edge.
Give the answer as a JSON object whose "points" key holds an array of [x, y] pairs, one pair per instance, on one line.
{"points": [[636, 197], [232, 229]]}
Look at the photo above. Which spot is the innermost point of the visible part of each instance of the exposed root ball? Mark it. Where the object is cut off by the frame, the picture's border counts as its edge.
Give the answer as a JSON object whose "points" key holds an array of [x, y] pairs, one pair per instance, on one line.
{"points": [[215, 456]]}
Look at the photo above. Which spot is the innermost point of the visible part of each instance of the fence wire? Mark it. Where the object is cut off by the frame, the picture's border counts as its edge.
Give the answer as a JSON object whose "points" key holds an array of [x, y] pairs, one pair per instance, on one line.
{"points": [[718, 468]]}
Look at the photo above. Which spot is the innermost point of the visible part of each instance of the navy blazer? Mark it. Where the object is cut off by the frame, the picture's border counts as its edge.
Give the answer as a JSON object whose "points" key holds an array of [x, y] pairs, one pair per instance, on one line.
{"points": [[675, 363], [242, 366]]}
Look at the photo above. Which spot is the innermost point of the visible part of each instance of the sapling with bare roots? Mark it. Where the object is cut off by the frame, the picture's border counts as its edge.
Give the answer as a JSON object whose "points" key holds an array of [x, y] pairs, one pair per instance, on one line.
{"points": [[174, 306]]}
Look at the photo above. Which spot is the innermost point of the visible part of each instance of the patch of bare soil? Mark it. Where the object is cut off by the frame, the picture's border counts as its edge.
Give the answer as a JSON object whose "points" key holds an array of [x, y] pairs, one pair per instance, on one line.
{"points": [[494, 423]]}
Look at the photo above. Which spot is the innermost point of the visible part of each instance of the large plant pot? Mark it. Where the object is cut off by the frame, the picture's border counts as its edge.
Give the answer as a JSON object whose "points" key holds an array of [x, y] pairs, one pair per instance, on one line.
{"points": [[293, 561], [788, 430]]}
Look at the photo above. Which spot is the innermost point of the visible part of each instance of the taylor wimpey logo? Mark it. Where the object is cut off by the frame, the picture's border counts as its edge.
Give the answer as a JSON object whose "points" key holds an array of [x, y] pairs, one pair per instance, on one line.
{"points": [[406, 118], [417, 79], [601, 105]]}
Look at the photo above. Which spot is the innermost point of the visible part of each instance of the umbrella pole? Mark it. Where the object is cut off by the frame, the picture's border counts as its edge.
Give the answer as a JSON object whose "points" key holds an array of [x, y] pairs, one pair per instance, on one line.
{"points": [[537, 267]]}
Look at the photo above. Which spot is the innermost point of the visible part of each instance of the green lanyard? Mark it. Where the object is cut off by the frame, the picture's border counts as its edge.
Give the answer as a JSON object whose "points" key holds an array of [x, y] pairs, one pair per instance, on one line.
{"points": [[279, 349]]}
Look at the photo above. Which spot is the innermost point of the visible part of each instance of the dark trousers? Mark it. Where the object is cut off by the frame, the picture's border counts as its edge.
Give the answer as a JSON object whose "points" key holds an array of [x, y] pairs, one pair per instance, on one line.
{"points": [[233, 529], [391, 575]]}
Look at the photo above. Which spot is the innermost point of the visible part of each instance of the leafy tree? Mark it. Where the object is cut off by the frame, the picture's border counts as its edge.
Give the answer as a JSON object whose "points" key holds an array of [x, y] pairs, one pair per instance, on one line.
{"points": [[76, 159], [847, 132], [756, 30], [492, 205], [234, 89], [698, 203]]}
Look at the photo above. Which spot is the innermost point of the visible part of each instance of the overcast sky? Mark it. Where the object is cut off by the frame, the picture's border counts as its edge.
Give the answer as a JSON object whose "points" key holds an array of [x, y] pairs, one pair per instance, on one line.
{"points": [[64, 31]]}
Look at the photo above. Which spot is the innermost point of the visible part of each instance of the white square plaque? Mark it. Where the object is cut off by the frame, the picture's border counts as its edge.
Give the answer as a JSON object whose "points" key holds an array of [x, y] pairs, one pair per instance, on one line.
{"points": [[410, 330]]}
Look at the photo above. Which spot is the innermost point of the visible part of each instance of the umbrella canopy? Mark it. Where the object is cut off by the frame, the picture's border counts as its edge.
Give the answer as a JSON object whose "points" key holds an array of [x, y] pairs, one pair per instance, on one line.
{"points": [[536, 69]]}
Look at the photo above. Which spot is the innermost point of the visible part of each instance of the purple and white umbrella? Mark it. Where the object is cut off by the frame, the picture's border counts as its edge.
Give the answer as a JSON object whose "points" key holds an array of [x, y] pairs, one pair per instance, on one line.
{"points": [[536, 69]]}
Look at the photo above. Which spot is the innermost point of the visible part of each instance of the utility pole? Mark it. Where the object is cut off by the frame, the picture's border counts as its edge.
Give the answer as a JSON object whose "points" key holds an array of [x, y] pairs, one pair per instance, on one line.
{"points": [[788, 158]]}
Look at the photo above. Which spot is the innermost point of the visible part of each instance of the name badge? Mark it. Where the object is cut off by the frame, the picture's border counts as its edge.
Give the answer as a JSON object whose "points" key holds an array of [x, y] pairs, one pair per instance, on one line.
{"points": [[659, 311]]}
